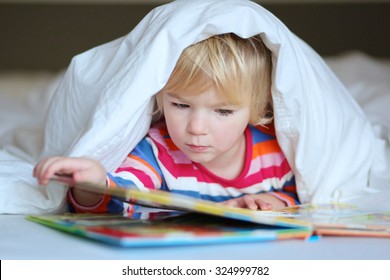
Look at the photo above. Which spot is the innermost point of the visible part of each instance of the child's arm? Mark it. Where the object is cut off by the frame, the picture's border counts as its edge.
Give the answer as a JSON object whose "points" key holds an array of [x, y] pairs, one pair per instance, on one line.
{"points": [[73, 171], [139, 170]]}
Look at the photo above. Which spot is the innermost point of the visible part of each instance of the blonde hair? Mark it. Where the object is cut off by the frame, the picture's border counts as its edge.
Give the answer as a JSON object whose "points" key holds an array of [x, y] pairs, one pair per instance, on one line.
{"points": [[240, 69]]}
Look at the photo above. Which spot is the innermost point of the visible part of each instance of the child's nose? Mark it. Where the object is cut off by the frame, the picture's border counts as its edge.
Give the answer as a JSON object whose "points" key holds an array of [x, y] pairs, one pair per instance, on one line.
{"points": [[197, 125]]}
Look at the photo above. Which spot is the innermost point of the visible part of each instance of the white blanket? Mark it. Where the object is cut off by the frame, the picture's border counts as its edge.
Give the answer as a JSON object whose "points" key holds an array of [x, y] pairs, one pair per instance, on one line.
{"points": [[101, 107]]}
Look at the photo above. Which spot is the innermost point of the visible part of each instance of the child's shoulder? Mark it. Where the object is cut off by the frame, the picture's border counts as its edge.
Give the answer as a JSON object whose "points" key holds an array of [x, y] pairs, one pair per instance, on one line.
{"points": [[158, 133], [264, 141], [158, 128], [267, 131]]}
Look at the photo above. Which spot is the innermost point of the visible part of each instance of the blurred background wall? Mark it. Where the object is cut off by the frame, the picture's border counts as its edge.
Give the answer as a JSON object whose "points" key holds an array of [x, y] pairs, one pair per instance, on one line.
{"points": [[46, 34]]}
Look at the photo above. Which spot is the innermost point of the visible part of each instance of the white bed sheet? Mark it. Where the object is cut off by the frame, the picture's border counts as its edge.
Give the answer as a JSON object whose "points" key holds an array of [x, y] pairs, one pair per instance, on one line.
{"points": [[25, 240], [24, 99]]}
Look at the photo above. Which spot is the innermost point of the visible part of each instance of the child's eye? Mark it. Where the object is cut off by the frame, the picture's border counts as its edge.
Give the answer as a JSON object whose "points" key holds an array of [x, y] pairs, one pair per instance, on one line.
{"points": [[180, 106], [224, 112]]}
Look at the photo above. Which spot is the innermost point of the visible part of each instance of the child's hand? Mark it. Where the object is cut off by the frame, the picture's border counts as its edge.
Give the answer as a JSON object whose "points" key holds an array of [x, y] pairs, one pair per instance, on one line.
{"points": [[72, 170], [261, 201]]}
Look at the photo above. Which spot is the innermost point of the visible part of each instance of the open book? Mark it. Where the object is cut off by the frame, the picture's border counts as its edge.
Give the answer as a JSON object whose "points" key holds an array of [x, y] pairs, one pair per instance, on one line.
{"points": [[172, 219]]}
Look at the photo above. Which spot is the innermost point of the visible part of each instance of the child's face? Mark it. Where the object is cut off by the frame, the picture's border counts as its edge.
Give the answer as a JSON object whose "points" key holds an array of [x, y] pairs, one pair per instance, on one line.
{"points": [[205, 128]]}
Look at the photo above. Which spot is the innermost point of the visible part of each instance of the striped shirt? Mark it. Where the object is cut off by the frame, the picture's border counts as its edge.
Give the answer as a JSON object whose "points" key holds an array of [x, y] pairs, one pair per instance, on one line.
{"points": [[156, 163]]}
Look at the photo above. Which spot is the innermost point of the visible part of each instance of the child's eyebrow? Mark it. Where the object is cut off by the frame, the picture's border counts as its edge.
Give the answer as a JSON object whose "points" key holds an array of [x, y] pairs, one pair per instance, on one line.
{"points": [[175, 96], [216, 105]]}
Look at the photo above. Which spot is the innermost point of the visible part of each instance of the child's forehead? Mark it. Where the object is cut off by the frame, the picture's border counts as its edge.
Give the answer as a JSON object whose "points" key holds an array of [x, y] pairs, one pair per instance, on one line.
{"points": [[229, 93], [195, 92], [209, 95], [192, 89]]}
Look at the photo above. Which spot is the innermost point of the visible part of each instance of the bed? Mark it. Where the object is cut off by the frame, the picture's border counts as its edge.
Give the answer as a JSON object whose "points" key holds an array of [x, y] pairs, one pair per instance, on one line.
{"points": [[27, 85]]}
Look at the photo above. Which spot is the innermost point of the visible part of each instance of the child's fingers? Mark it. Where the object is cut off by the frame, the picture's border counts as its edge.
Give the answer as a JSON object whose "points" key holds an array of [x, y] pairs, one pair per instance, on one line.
{"points": [[69, 170], [253, 202], [48, 167], [230, 203], [250, 202], [236, 202], [262, 204], [40, 170], [64, 178], [64, 167]]}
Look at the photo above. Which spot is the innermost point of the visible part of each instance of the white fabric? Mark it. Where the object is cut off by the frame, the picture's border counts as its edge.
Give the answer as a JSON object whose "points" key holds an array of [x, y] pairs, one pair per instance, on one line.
{"points": [[102, 106], [367, 80]]}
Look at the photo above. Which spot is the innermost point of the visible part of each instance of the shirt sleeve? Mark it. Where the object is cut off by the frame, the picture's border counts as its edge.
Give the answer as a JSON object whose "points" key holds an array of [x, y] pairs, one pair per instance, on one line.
{"points": [[139, 170]]}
